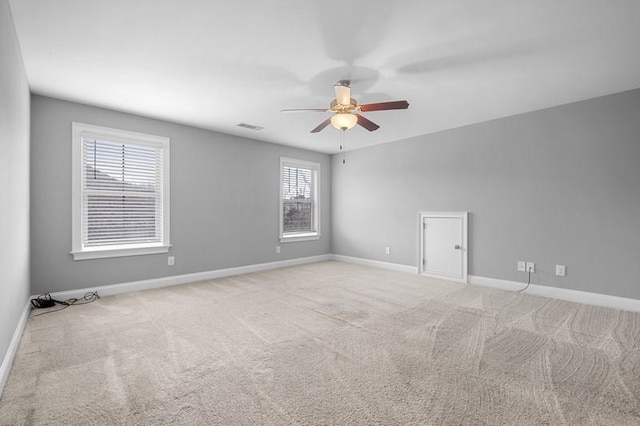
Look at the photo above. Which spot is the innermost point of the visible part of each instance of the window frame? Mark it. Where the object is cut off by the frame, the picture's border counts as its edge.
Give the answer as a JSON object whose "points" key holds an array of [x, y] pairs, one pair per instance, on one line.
{"points": [[78, 251], [315, 172]]}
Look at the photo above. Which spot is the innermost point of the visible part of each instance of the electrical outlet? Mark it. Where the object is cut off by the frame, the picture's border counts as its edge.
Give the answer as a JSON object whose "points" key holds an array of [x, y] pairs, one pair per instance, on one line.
{"points": [[561, 270], [171, 260], [387, 250], [531, 267], [277, 249], [522, 266]]}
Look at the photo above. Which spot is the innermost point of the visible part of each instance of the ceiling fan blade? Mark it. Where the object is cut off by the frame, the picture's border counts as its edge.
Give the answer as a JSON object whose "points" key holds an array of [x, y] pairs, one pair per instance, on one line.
{"points": [[305, 110], [366, 123], [381, 106], [322, 125]]}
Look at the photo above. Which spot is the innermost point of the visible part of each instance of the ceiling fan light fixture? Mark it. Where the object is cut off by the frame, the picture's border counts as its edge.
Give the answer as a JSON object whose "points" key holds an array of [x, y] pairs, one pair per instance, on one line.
{"points": [[343, 94], [346, 111], [344, 121]]}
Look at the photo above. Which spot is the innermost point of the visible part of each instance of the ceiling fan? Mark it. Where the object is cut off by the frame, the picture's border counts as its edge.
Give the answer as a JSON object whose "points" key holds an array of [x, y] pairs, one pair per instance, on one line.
{"points": [[347, 111]]}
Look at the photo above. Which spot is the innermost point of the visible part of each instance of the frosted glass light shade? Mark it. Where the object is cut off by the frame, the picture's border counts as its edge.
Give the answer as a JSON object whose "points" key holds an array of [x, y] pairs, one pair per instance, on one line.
{"points": [[344, 121]]}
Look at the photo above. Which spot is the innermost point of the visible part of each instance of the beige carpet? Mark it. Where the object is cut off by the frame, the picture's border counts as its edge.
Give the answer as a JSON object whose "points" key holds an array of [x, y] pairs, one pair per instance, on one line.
{"points": [[327, 343]]}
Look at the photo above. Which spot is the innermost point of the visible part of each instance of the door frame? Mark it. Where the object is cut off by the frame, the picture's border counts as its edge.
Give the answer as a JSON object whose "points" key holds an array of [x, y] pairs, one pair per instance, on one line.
{"points": [[465, 252]]}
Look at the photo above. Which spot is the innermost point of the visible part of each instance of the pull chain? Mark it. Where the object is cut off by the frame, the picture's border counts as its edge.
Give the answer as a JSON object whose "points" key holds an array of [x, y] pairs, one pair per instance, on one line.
{"points": [[343, 147]]}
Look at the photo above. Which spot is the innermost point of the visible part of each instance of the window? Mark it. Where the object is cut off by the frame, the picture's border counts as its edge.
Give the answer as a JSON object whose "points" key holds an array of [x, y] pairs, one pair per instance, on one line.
{"points": [[120, 196], [299, 183]]}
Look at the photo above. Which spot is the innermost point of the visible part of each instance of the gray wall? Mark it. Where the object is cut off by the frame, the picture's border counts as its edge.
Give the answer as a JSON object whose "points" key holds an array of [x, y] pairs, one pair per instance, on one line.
{"points": [[556, 186], [224, 201], [14, 181]]}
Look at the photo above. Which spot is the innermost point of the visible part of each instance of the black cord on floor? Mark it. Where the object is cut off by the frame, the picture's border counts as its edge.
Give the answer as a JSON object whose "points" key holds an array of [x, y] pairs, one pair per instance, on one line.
{"points": [[46, 301], [43, 301], [528, 283]]}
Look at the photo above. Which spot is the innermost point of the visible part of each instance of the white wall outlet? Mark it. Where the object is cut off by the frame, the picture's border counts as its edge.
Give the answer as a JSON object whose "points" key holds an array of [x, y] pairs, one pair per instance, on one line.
{"points": [[561, 270], [531, 267], [171, 260], [522, 266], [387, 250], [277, 249]]}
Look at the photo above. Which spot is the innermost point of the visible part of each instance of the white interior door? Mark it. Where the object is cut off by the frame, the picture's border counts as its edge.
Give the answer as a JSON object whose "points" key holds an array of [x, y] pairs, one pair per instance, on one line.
{"points": [[443, 248]]}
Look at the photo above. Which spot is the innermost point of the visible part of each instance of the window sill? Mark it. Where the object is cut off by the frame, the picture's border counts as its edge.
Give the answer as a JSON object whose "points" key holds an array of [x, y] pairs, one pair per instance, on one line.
{"points": [[118, 251], [311, 236]]}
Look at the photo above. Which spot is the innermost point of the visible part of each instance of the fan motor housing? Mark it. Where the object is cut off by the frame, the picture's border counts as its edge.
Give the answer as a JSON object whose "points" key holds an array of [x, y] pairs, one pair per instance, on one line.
{"points": [[339, 108]]}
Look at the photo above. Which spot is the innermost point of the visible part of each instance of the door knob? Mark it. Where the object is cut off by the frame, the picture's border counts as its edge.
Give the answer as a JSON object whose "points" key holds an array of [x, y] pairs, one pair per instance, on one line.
{"points": [[457, 247]]}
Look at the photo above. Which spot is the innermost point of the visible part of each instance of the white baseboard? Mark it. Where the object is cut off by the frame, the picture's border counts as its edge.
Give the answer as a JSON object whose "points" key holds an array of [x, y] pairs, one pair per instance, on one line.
{"points": [[112, 289], [7, 361], [585, 297], [604, 300], [536, 289], [375, 263]]}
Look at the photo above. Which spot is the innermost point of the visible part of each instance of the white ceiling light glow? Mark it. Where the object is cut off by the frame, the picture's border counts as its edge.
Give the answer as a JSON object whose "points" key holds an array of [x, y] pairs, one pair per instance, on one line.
{"points": [[344, 121]]}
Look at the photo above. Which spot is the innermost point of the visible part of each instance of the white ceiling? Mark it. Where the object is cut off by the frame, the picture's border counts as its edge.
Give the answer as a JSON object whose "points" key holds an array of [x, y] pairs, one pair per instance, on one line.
{"points": [[214, 64]]}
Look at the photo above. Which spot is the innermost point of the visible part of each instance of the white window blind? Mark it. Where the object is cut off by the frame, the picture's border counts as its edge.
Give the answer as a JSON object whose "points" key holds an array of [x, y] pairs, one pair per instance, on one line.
{"points": [[297, 204], [122, 193], [299, 200]]}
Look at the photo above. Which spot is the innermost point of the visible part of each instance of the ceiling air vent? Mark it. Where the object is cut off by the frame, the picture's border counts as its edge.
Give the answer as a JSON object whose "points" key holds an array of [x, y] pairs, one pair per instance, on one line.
{"points": [[250, 126]]}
